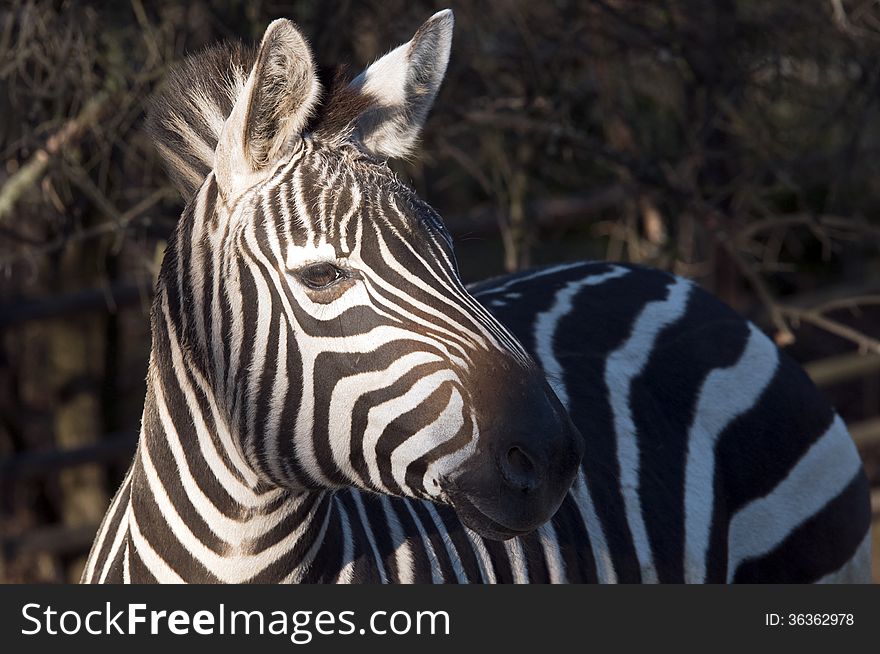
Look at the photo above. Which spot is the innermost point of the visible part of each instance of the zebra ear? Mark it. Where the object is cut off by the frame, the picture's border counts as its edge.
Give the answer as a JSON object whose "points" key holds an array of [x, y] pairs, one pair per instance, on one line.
{"points": [[270, 113], [403, 85]]}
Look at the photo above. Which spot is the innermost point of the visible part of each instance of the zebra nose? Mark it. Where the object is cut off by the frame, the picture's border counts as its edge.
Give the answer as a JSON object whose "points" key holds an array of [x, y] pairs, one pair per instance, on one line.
{"points": [[519, 470]]}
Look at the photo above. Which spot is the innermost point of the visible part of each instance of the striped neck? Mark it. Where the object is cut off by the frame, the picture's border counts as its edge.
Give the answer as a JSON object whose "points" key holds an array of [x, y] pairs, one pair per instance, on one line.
{"points": [[201, 492]]}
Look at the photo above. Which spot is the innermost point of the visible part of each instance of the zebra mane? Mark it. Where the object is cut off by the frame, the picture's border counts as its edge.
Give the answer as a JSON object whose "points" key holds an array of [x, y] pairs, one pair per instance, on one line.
{"points": [[186, 116]]}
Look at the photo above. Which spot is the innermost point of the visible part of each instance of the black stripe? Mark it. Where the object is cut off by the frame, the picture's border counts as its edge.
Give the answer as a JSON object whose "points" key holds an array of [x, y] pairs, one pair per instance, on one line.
{"points": [[574, 543], [582, 345], [154, 529], [366, 570], [110, 526], [535, 558], [819, 546], [663, 399], [761, 447], [437, 543]]}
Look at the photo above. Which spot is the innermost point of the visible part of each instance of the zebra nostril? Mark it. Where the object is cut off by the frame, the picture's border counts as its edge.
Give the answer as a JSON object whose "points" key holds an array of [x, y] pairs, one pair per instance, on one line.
{"points": [[519, 470]]}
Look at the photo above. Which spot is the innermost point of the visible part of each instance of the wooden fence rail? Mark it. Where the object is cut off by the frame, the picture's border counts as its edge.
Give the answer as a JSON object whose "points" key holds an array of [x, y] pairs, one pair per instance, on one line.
{"points": [[114, 448], [21, 310]]}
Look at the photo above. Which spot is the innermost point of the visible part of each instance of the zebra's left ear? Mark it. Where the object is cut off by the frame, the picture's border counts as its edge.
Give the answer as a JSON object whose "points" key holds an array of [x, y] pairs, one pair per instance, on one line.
{"points": [[270, 112], [403, 85]]}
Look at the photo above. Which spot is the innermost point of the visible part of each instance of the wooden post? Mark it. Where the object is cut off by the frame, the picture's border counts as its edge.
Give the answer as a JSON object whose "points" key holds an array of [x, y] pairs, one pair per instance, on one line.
{"points": [[75, 374]]}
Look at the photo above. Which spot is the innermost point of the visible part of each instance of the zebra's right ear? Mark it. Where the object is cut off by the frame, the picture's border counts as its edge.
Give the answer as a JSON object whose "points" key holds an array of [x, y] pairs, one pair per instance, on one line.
{"points": [[270, 113]]}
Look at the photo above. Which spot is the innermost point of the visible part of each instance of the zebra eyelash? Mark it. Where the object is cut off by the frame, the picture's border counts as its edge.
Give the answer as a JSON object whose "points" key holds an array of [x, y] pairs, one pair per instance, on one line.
{"points": [[312, 275], [344, 280], [434, 223]]}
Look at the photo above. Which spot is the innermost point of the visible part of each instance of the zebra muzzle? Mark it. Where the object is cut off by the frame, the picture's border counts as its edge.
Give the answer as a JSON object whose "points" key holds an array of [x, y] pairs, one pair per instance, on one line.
{"points": [[520, 474]]}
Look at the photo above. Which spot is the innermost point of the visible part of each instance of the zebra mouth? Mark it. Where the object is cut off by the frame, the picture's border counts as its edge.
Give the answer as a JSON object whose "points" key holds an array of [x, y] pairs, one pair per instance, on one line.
{"points": [[480, 522]]}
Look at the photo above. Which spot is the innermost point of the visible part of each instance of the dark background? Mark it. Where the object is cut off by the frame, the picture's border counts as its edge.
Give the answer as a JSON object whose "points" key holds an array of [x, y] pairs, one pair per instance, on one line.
{"points": [[733, 142]]}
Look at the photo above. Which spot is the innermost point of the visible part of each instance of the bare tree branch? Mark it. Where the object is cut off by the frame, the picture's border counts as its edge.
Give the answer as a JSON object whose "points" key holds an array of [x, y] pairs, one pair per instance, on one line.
{"points": [[32, 171]]}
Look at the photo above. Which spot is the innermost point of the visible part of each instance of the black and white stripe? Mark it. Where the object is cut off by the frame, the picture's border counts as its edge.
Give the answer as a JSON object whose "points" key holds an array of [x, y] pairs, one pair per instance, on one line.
{"points": [[303, 432], [709, 452]]}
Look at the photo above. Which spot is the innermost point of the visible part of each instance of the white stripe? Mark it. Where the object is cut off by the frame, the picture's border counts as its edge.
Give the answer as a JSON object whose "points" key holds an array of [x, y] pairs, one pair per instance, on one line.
{"points": [[821, 475], [236, 569], [296, 575], [547, 322], [346, 571], [163, 573], [235, 335], [452, 460], [98, 545], [217, 337], [487, 572], [371, 539], [624, 365], [443, 429], [260, 344], [726, 394], [402, 550], [543, 272], [349, 389], [355, 192], [550, 544], [126, 565], [241, 491], [225, 528], [121, 533], [599, 545], [196, 267], [381, 415], [433, 561], [299, 203], [546, 325], [454, 559], [519, 566]]}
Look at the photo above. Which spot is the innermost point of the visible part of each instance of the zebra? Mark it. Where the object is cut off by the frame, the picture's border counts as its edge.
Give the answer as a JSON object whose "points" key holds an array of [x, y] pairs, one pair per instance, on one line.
{"points": [[327, 402]]}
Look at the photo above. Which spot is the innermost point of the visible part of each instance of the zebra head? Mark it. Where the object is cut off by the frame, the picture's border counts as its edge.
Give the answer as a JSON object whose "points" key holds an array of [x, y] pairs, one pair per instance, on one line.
{"points": [[320, 299]]}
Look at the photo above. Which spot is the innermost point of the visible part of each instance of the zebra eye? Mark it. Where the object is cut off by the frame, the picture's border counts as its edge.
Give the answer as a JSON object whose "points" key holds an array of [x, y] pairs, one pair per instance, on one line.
{"points": [[320, 275]]}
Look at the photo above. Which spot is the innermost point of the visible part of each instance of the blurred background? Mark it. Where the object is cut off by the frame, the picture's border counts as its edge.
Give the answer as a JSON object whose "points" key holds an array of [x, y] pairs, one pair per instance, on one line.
{"points": [[734, 142]]}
